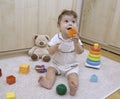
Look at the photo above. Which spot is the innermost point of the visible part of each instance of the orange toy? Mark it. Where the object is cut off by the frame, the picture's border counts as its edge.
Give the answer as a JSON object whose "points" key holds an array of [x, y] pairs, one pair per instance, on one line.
{"points": [[11, 79], [71, 32]]}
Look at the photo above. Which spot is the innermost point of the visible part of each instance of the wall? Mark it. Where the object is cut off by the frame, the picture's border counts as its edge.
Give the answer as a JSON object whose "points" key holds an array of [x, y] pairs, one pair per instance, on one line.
{"points": [[100, 23], [20, 20], [18, 24]]}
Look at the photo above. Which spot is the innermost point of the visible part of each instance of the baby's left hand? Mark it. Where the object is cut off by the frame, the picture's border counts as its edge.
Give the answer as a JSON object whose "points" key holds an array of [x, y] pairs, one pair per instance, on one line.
{"points": [[75, 37]]}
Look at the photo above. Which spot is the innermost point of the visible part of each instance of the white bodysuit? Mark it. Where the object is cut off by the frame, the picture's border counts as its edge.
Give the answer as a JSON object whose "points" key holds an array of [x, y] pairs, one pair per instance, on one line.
{"points": [[65, 60]]}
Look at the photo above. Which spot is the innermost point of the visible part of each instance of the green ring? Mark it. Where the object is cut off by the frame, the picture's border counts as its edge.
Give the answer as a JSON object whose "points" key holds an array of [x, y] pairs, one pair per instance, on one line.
{"points": [[94, 59]]}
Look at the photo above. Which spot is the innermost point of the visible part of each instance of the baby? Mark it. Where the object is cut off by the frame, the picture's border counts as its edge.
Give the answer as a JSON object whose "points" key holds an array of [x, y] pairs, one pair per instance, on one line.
{"points": [[64, 50]]}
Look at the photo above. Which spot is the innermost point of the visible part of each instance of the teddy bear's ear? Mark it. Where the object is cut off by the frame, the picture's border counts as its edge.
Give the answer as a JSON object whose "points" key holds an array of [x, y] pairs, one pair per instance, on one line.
{"points": [[36, 35], [47, 37]]}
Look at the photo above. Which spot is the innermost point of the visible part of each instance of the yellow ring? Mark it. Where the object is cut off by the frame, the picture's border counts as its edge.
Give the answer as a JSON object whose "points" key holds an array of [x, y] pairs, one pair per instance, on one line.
{"points": [[93, 55]]}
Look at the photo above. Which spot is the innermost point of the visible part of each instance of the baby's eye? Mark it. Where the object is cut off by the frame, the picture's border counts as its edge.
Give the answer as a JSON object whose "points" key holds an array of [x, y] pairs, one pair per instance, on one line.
{"points": [[66, 21], [73, 21]]}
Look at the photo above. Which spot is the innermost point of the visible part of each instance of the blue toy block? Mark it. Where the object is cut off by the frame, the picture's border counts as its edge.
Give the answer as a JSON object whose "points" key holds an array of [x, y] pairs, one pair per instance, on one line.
{"points": [[94, 78]]}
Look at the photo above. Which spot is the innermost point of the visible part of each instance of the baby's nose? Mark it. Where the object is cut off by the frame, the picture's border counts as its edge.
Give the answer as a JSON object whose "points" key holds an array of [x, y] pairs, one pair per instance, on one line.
{"points": [[70, 23]]}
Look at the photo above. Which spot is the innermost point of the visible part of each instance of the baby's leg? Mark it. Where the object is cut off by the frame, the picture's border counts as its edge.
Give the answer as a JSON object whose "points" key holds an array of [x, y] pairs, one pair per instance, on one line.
{"points": [[73, 82], [48, 81]]}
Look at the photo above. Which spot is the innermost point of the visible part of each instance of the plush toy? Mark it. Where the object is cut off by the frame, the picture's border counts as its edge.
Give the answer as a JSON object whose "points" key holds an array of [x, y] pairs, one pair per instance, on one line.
{"points": [[39, 50]]}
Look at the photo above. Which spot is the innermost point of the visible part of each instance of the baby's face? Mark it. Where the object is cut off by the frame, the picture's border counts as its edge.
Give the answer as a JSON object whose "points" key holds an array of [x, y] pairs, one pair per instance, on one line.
{"points": [[67, 22]]}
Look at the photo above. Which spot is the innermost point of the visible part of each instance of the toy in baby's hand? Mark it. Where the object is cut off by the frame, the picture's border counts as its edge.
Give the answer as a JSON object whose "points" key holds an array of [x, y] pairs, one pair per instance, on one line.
{"points": [[71, 32], [39, 50]]}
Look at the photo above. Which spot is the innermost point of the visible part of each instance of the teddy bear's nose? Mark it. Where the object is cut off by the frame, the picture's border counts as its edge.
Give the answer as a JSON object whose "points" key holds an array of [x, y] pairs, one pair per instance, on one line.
{"points": [[41, 43]]}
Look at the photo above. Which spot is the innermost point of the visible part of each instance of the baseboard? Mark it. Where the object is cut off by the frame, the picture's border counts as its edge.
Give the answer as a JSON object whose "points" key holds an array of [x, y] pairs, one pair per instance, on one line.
{"points": [[104, 46], [13, 53]]}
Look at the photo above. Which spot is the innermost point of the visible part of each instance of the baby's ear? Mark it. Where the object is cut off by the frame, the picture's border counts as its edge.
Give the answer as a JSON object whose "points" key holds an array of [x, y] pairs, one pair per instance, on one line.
{"points": [[36, 35], [47, 37]]}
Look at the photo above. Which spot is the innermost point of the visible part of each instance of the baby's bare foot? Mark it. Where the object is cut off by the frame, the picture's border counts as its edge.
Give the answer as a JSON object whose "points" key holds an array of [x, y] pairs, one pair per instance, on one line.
{"points": [[44, 82], [73, 88]]}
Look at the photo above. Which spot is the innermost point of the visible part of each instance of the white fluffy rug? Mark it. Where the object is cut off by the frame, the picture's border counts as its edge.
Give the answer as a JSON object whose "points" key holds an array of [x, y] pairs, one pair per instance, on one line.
{"points": [[26, 86]]}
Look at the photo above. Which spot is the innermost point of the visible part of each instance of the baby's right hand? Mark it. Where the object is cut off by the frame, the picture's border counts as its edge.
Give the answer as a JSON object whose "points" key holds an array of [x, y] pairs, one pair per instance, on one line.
{"points": [[56, 47]]}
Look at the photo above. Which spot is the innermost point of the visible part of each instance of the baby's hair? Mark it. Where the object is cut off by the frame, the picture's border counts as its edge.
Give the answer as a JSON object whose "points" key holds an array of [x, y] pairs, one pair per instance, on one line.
{"points": [[67, 12]]}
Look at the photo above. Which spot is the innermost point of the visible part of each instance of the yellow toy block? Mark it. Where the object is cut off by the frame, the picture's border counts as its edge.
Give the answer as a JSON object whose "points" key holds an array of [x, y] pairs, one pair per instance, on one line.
{"points": [[10, 95], [24, 68]]}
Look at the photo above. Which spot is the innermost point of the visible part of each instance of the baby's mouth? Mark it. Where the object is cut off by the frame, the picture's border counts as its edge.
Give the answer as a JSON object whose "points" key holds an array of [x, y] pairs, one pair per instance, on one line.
{"points": [[69, 28]]}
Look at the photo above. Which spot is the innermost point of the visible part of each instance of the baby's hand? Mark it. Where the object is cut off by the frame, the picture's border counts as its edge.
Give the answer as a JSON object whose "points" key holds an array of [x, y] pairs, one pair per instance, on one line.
{"points": [[56, 47], [75, 37]]}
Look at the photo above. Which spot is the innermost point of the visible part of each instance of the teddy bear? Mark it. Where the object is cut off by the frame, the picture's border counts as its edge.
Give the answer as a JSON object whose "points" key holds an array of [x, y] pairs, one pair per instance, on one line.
{"points": [[39, 50]]}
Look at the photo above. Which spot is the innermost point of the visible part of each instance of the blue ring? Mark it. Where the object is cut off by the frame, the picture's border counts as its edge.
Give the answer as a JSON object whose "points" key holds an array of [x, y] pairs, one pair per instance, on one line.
{"points": [[93, 62]]}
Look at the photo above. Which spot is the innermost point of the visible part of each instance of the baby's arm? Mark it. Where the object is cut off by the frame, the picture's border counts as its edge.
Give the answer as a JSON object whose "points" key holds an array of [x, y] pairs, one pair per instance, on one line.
{"points": [[54, 48], [78, 48]]}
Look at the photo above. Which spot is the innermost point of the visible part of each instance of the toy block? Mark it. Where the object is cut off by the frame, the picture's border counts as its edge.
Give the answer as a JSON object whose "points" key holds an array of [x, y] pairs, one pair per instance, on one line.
{"points": [[40, 68], [10, 95], [24, 68], [0, 72], [94, 78], [10, 79]]}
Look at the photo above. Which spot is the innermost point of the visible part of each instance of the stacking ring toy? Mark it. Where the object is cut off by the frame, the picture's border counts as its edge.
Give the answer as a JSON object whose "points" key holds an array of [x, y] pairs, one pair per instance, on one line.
{"points": [[93, 59]]}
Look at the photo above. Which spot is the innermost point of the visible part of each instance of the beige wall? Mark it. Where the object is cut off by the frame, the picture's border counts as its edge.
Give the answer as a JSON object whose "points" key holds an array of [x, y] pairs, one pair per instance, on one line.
{"points": [[100, 23], [20, 20], [49, 11], [18, 23]]}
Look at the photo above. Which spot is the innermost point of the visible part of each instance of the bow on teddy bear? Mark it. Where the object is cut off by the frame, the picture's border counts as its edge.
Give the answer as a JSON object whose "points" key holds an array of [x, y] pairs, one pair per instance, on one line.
{"points": [[39, 50]]}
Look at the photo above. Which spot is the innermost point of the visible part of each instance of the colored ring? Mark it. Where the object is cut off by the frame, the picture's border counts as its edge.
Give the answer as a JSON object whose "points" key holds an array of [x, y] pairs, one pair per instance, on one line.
{"points": [[92, 55], [95, 49], [92, 62], [93, 59], [95, 53]]}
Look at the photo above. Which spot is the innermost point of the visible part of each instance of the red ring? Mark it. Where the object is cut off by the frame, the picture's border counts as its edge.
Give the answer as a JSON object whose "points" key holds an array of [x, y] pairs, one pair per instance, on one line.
{"points": [[95, 49]]}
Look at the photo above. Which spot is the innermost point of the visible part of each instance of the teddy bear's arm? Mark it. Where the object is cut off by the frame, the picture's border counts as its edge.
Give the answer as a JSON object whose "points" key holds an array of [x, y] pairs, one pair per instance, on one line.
{"points": [[31, 51]]}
